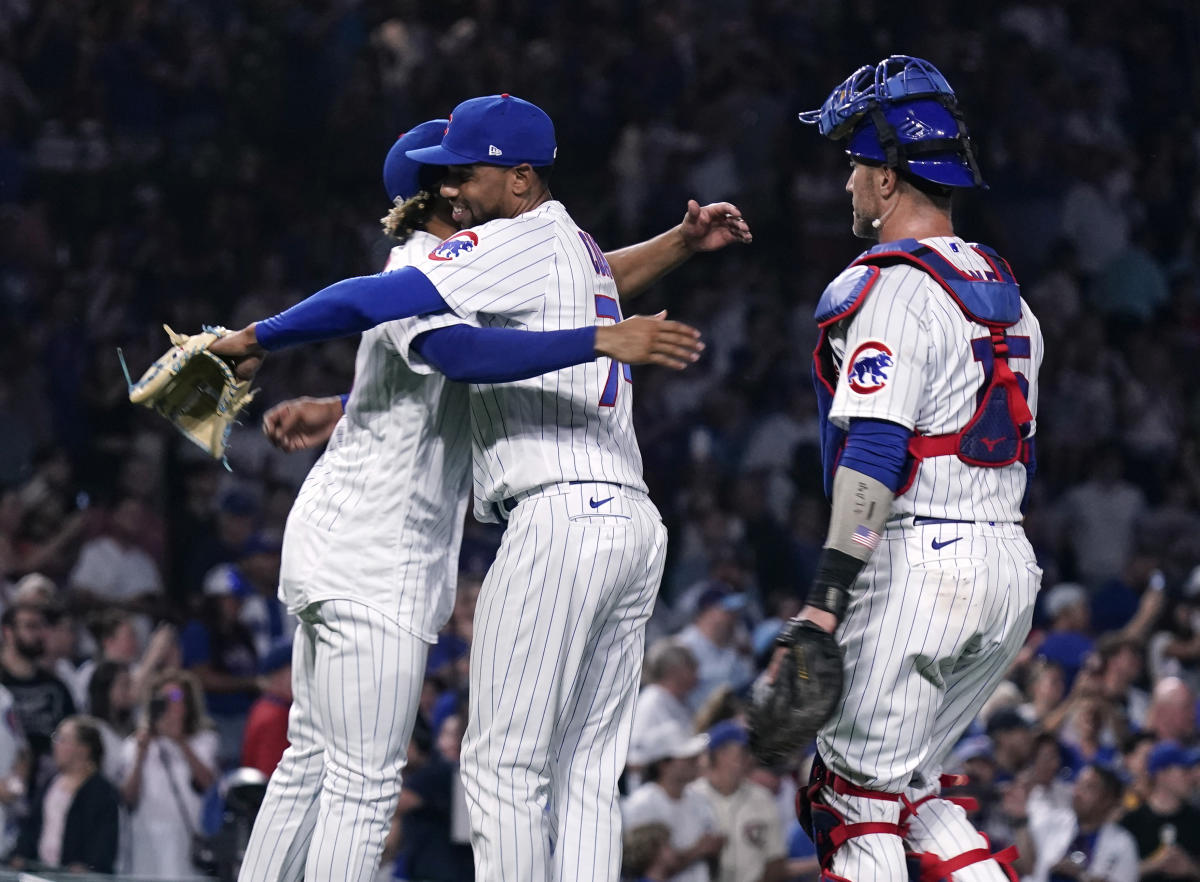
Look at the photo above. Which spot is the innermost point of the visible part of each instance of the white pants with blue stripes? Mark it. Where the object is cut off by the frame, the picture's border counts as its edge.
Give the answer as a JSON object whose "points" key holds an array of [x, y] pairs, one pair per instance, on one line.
{"points": [[555, 665], [356, 682], [934, 624]]}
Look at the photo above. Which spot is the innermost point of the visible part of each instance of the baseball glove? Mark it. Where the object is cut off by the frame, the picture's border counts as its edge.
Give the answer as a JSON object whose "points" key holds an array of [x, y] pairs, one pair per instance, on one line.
{"points": [[194, 389], [786, 710]]}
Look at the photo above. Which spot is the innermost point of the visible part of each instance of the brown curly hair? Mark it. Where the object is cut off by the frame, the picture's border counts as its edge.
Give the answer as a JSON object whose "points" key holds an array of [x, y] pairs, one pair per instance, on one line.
{"points": [[408, 215]]}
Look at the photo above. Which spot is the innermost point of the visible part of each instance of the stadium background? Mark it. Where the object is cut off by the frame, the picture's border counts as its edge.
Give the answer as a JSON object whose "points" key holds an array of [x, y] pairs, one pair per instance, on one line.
{"points": [[214, 161]]}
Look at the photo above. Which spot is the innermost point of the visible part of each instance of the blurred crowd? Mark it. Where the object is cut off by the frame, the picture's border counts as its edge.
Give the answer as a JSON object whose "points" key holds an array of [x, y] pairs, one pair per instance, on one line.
{"points": [[215, 161]]}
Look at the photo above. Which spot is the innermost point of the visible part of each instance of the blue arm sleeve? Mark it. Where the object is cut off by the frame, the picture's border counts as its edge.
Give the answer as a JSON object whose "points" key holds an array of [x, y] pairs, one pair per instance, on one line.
{"points": [[345, 400], [351, 306], [503, 355], [878, 449]]}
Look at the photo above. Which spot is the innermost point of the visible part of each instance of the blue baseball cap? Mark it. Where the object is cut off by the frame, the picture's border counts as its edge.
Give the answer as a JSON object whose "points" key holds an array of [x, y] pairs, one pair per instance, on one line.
{"points": [[401, 175], [497, 130], [726, 732], [722, 594], [1169, 753]]}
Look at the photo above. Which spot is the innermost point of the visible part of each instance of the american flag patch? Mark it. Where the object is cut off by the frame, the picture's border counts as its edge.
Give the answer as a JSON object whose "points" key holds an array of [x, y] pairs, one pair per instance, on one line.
{"points": [[863, 536]]}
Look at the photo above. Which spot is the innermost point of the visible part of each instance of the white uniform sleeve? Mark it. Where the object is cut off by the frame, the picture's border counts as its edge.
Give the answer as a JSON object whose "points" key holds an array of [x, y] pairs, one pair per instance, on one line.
{"points": [[883, 374], [401, 333], [500, 268]]}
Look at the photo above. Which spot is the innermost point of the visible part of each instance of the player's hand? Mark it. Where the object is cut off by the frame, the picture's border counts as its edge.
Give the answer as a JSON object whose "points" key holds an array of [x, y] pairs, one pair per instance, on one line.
{"points": [[711, 227], [302, 423], [241, 348], [650, 339]]}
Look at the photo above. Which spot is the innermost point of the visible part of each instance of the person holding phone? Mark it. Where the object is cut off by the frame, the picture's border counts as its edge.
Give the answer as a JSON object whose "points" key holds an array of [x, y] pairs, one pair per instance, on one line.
{"points": [[171, 760]]}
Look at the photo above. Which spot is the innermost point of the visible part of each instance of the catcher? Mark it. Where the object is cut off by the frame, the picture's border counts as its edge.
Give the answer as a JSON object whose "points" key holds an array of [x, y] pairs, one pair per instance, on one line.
{"points": [[926, 376]]}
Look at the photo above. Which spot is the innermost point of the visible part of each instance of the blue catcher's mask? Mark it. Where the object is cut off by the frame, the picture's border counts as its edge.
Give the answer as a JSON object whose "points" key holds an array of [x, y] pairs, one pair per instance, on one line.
{"points": [[901, 113]]}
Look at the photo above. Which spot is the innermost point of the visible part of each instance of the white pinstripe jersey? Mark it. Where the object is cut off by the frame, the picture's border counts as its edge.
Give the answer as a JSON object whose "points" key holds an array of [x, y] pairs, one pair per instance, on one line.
{"points": [[540, 272], [932, 382], [379, 518]]}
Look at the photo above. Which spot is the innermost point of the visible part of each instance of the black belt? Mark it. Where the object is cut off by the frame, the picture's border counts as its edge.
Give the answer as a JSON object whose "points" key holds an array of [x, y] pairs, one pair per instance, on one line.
{"points": [[505, 506]]}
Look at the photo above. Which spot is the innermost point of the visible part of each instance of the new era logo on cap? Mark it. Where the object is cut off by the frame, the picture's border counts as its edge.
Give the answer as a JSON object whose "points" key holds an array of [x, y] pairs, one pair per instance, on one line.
{"points": [[495, 129]]}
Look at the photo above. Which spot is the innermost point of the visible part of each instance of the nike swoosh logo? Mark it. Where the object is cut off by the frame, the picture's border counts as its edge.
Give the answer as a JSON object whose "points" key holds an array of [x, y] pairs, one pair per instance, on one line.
{"points": [[594, 504], [940, 545]]}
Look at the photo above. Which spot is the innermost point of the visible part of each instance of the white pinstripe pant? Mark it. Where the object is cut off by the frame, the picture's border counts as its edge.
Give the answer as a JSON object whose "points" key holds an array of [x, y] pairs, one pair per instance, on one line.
{"points": [[929, 634], [559, 633], [356, 679]]}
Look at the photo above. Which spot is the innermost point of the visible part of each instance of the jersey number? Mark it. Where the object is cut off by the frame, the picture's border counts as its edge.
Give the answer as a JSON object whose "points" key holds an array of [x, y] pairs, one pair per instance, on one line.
{"points": [[606, 307], [1018, 347]]}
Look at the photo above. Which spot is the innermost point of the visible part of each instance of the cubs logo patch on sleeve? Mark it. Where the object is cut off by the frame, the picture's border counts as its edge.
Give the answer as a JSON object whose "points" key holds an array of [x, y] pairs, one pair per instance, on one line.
{"points": [[459, 243], [870, 367]]}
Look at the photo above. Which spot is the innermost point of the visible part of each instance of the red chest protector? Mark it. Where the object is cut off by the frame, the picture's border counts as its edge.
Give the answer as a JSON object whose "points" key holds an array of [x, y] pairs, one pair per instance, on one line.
{"points": [[998, 433]]}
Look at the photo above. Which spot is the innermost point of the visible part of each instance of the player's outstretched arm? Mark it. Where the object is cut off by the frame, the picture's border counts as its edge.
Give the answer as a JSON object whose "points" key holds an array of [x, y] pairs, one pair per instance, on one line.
{"points": [[704, 228], [504, 355], [343, 309], [302, 423]]}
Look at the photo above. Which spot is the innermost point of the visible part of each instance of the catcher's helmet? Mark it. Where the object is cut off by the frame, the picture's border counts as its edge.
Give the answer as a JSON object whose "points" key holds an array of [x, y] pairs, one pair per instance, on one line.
{"points": [[902, 113], [403, 178]]}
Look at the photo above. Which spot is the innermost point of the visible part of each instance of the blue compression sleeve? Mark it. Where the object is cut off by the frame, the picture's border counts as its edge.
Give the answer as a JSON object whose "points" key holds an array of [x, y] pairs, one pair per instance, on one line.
{"points": [[503, 355], [878, 449], [345, 400], [350, 307]]}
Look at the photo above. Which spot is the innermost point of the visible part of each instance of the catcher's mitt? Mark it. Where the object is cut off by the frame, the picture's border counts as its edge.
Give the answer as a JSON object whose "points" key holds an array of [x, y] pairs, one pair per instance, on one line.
{"points": [[194, 389], [787, 710]]}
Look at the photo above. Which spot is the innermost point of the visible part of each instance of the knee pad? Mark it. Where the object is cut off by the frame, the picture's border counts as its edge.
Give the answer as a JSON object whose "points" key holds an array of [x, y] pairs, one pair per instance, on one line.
{"points": [[826, 825]]}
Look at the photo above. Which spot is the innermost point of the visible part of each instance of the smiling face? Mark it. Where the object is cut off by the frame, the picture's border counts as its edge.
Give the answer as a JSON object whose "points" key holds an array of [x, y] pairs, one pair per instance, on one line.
{"points": [[477, 193]]}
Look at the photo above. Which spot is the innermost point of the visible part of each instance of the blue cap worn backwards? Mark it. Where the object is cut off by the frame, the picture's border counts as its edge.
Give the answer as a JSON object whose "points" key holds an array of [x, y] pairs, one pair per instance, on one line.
{"points": [[497, 130], [401, 175]]}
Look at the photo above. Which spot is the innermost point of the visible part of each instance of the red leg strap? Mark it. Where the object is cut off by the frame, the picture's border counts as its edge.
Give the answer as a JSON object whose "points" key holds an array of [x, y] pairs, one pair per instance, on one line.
{"points": [[934, 869], [838, 784], [849, 831]]}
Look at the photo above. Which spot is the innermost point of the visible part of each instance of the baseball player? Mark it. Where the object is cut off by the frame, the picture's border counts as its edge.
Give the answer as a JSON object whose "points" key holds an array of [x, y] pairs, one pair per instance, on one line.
{"points": [[560, 619], [371, 543], [926, 373]]}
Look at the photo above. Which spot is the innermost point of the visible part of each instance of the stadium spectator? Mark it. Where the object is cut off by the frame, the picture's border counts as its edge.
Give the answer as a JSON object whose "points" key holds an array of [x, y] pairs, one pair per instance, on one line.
{"points": [[1164, 825], [647, 855], [1012, 743], [745, 812], [74, 822], [170, 762], [113, 570], [265, 738], [1046, 689], [1172, 712], [670, 677], [263, 613], [1049, 775], [1067, 643], [41, 701], [219, 650], [1081, 841], [670, 764], [111, 703], [711, 639]]}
